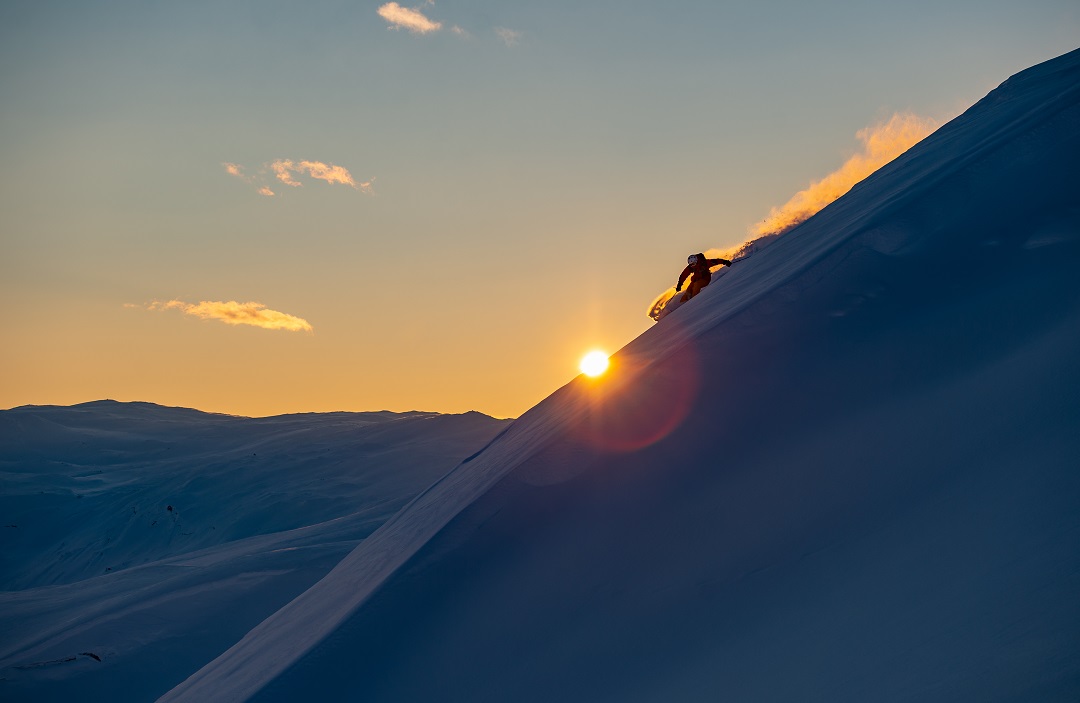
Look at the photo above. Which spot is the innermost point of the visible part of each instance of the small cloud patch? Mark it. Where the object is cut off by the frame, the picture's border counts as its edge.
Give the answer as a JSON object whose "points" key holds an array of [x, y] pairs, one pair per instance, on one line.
{"points": [[408, 18], [284, 171], [509, 37], [233, 313]]}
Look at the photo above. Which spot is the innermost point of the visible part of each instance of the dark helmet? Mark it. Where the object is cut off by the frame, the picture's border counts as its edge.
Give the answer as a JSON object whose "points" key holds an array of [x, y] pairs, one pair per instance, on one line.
{"points": [[692, 260]]}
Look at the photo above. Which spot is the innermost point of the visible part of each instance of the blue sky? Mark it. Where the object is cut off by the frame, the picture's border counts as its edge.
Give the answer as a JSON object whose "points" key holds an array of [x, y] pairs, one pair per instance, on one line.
{"points": [[538, 173]]}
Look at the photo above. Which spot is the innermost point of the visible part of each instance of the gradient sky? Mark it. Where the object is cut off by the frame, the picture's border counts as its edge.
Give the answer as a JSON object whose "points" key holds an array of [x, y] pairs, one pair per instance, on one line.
{"points": [[526, 178]]}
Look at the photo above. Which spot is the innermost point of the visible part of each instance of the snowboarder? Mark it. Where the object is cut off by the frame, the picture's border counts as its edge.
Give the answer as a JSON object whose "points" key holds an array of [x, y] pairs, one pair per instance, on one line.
{"points": [[699, 266]]}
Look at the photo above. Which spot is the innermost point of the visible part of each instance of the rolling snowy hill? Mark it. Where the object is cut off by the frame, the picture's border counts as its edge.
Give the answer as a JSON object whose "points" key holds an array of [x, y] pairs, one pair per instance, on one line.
{"points": [[140, 541]]}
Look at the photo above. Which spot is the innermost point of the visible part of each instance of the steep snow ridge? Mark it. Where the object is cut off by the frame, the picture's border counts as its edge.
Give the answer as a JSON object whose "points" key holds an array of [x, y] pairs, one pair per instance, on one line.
{"points": [[1020, 103], [843, 442], [308, 619], [1024, 100]]}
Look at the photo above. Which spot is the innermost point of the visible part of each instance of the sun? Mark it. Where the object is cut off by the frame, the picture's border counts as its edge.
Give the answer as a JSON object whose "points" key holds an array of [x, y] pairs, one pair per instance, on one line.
{"points": [[594, 363]]}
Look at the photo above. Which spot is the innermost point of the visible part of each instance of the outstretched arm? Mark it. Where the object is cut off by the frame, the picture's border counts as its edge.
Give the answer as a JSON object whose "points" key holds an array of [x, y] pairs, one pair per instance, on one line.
{"points": [[682, 277], [717, 262]]}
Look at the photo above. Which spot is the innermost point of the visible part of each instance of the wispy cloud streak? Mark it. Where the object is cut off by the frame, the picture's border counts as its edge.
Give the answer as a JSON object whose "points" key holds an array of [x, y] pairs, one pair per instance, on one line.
{"points": [[407, 18], [414, 20], [234, 313], [508, 36], [284, 170]]}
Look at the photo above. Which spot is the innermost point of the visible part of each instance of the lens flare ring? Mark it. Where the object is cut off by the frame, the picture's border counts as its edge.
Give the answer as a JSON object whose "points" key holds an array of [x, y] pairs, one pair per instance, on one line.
{"points": [[640, 408]]}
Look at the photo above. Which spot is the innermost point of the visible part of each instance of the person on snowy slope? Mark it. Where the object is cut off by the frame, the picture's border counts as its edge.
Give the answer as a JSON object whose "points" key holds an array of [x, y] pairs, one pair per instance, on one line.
{"points": [[697, 266]]}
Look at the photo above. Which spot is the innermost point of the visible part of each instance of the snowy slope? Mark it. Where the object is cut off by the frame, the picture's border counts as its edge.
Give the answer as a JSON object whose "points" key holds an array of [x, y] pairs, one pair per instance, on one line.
{"points": [[153, 538], [845, 472], [155, 481]]}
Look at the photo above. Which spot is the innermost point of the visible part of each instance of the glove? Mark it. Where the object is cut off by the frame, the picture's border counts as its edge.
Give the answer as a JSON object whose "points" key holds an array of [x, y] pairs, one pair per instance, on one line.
{"points": [[678, 288]]}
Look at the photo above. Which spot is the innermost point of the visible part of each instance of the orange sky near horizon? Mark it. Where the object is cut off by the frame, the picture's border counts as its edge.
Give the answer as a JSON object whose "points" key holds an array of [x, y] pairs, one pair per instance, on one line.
{"points": [[260, 209]]}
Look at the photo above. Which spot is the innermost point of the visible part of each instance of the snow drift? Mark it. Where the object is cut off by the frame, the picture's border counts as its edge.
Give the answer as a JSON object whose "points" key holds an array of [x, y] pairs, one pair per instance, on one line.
{"points": [[845, 472]]}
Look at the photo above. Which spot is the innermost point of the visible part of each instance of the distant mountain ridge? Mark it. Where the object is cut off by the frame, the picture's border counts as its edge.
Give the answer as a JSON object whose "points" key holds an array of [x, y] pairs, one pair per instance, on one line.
{"points": [[118, 465]]}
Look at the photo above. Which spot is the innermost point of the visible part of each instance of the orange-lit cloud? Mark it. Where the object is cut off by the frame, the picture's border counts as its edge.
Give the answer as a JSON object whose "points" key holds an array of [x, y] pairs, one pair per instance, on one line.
{"points": [[234, 313], [237, 171], [881, 144], [284, 170], [408, 18]]}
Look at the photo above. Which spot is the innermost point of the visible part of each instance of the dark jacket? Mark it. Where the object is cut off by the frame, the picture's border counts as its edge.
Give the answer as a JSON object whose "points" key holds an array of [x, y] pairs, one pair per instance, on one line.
{"points": [[701, 272]]}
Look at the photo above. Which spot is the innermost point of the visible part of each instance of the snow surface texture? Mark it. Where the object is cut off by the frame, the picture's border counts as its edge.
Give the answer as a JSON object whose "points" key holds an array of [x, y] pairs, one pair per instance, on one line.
{"points": [[139, 541], [847, 471]]}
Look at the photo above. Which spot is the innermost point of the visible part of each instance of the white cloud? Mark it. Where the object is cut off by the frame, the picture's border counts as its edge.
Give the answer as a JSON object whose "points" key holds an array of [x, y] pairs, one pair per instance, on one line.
{"points": [[408, 18], [508, 36]]}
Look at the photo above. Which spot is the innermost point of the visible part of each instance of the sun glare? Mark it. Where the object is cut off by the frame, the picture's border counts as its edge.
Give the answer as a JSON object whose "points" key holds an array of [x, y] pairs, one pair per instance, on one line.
{"points": [[594, 363]]}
